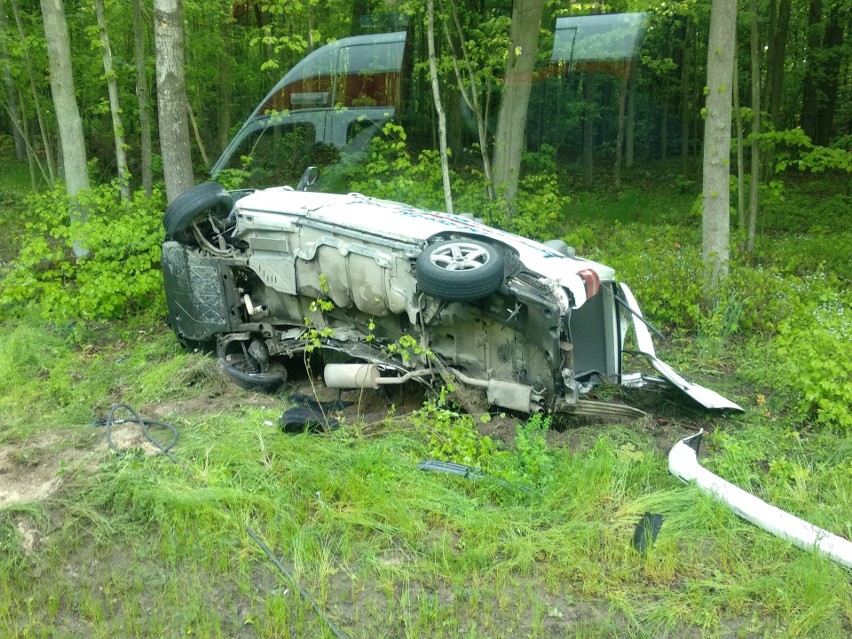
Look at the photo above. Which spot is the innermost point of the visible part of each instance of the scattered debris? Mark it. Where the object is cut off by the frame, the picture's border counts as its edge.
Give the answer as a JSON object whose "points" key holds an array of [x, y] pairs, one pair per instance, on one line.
{"points": [[646, 531], [468, 472]]}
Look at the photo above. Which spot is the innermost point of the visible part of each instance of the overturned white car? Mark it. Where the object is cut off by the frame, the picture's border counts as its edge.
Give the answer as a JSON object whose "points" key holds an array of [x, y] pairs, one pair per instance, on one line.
{"points": [[402, 293]]}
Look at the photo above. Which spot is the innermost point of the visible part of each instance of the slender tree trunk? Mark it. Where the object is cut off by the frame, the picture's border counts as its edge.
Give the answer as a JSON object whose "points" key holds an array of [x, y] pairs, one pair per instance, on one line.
{"points": [[631, 116], [50, 160], [775, 61], [64, 100], [32, 158], [775, 58], [619, 140], [832, 47], [755, 130], [738, 117], [223, 124], [589, 130], [114, 105], [686, 96], [143, 97], [171, 97], [717, 146], [439, 109], [664, 124], [810, 98], [471, 95], [512, 117], [11, 92]]}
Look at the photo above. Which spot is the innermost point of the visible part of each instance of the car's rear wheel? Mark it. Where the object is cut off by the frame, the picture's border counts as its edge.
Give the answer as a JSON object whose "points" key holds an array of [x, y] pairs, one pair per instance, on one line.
{"points": [[198, 205], [459, 269]]}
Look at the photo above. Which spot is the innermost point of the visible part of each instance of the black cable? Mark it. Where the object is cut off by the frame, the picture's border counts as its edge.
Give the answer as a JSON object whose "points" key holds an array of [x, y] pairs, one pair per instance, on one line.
{"points": [[143, 424], [319, 613], [164, 450]]}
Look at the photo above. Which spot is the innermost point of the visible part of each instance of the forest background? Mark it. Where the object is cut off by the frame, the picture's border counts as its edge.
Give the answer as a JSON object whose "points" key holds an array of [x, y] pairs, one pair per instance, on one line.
{"points": [[622, 184]]}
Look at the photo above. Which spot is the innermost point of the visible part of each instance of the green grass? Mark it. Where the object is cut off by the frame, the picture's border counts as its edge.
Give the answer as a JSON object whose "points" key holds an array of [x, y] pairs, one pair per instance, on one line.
{"points": [[137, 546]]}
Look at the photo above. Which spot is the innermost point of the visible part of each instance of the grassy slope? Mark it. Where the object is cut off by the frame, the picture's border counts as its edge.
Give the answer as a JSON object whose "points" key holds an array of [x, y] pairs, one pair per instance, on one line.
{"points": [[139, 546]]}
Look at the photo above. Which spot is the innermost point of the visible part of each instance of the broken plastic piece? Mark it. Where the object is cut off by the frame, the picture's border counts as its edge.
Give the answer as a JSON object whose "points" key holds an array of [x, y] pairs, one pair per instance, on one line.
{"points": [[646, 531], [683, 463]]}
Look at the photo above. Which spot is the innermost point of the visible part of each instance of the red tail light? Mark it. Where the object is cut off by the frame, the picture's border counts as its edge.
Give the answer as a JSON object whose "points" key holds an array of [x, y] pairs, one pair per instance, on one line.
{"points": [[591, 280]]}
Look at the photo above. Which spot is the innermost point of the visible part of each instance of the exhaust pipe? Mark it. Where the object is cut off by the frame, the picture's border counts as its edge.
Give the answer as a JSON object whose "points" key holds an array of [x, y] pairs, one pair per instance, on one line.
{"points": [[683, 463], [350, 376]]}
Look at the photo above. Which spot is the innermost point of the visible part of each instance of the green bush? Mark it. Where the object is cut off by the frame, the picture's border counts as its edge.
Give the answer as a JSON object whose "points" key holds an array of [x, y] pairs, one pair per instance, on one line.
{"points": [[120, 274], [390, 172], [813, 350]]}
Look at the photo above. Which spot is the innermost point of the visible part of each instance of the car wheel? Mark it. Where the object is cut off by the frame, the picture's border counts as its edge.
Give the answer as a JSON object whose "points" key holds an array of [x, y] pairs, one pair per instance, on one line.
{"points": [[267, 382], [192, 204], [459, 269]]}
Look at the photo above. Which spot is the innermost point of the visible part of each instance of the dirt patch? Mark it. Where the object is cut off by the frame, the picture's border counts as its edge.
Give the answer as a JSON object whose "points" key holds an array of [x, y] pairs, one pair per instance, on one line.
{"points": [[30, 471], [36, 469]]}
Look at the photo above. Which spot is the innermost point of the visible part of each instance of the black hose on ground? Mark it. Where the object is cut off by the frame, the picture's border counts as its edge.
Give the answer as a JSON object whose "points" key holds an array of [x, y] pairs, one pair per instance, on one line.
{"points": [[164, 450], [143, 424]]}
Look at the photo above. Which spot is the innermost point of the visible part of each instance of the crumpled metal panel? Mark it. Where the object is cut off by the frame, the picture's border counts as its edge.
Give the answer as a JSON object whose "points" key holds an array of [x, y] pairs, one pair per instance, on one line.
{"points": [[704, 396]]}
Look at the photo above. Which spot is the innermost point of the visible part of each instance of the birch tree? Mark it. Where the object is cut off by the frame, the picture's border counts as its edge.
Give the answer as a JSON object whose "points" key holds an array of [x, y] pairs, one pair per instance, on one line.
{"points": [[717, 145], [64, 101], [171, 97], [143, 97], [439, 108], [114, 105], [512, 118]]}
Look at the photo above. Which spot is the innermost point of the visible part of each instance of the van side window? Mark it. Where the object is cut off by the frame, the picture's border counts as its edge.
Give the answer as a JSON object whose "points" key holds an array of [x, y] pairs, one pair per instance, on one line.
{"points": [[272, 155]]}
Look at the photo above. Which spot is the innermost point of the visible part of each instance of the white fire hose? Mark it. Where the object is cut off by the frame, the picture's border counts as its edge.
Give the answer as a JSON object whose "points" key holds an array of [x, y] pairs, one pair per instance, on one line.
{"points": [[683, 463]]}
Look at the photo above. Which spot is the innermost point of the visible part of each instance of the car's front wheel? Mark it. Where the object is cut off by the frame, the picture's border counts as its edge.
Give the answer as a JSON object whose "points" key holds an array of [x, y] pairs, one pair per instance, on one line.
{"points": [[459, 269], [198, 205], [246, 374]]}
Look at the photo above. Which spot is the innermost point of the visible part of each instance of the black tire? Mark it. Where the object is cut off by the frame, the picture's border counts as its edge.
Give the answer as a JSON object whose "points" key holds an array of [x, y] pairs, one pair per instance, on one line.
{"points": [[190, 204], [459, 270], [268, 382]]}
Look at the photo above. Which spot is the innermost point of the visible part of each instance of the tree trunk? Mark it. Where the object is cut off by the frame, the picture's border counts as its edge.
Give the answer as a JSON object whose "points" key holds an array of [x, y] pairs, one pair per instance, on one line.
{"points": [[630, 133], [142, 97], [512, 118], [619, 140], [439, 109], [741, 211], [114, 105], [717, 146], [64, 101], [171, 97], [686, 96], [589, 131], [471, 95], [775, 60], [50, 160], [11, 92], [223, 123], [832, 48], [810, 99], [754, 191]]}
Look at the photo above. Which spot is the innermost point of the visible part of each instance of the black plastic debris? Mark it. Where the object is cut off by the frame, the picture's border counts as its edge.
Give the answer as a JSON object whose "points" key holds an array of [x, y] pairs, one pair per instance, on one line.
{"points": [[311, 415], [646, 531]]}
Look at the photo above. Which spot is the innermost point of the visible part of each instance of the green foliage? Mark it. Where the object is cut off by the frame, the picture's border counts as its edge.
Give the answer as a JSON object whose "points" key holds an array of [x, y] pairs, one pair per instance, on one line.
{"points": [[120, 274], [794, 149], [390, 172], [532, 458], [451, 436], [813, 349], [662, 270]]}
